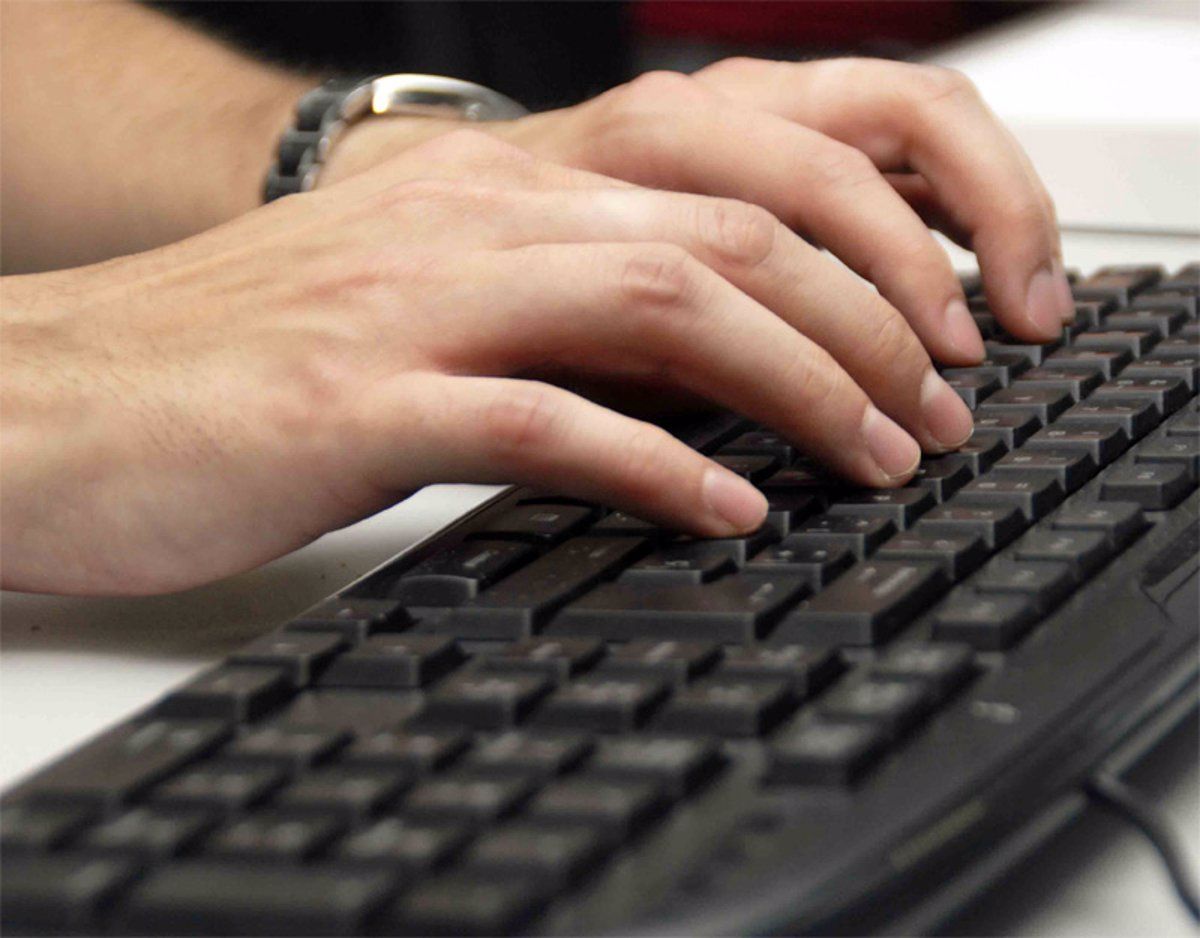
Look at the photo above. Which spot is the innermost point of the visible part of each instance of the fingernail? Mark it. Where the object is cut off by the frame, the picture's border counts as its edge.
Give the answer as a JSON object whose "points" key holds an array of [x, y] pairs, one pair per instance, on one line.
{"points": [[1043, 302], [962, 332], [894, 451], [1066, 301], [946, 416], [737, 502]]}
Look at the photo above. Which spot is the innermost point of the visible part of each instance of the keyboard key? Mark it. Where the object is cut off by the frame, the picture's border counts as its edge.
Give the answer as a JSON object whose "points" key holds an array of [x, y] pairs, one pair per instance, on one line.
{"points": [[1119, 522], [515, 607], [866, 606], [820, 752], [619, 809], [452, 576], [727, 707], [413, 750], [1171, 300], [816, 566], [996, 526], [1088, 315], [302, 655], [125, 761], [148, 833], [760, 443], [354, 618], [1084, 552], [786, 508], [1108, 363], [603, 705], [350, 791], [985, 622], [982, 450], [942, 666], [530, 755], [620, 524], [1032, 354], [957, 555], [1117, 283], [756, 468], [558, 855], [274, 835], [1166, 394], [734, 609], [1045, 403], [1034, 493], [486, 700], [220, 788], [38, 828], [1179, 346], [682, 562], [558, 659], [806, 670], [467, 799], [897, 706], [943, 475], [1134, 418], [1180, 450], [1137, 342], [671, 661], [972, 388], [796, 479], [410, 847], [287, 747], [1186, 423], [901, 506], [1161, 321], [1070, 468], [1184, 367], [1154, 486], [1102, 443], [861, 535], [1047, 584], [204, 897], [677, 766], [461, 905], [537, 523], [235, 693], [400, 661], [1075, 382], [1014, 427], [61, 892]]}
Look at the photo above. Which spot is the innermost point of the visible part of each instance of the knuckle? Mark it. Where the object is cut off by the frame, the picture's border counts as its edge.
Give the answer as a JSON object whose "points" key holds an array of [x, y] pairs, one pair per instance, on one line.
{"points": [[1024, 215], [643, 456], [893, 345], [739, 232], [815, 379], [662, 87], [841, 166], [734, 65], [398, 196], [520, 419], [658, 276], [937, 83]]}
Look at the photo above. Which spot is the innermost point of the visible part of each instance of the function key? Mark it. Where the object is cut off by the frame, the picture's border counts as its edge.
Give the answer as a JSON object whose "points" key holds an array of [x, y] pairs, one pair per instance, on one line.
{"points": [[354, 618], [867, 605], [820, 752], [806, 670], [678, 766], [942, 666], [301, 654], [985, 622], [672, 661], [1155, 487], [400, 661], [556, 658], [1119, 522], [452, 576], [537, 523]]}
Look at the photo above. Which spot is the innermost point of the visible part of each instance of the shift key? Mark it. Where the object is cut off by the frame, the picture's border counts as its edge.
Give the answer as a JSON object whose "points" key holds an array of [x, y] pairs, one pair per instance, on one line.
{"points": [[865, 606]]}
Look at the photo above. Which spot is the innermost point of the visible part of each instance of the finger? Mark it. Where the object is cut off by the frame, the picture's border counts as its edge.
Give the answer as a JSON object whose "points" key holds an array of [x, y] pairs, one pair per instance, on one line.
{"points": [[934, 122], [822, 188], [467, 429], [920, 195], [653, 310], [748, 247]]}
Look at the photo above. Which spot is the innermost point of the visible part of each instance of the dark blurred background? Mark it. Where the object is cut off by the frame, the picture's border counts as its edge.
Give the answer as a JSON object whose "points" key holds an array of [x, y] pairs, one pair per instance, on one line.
{"points": [[548, 54]]}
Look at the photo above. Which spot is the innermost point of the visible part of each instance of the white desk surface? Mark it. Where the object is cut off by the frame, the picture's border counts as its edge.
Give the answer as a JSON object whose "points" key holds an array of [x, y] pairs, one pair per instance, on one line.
{"points": [[71, 666]]}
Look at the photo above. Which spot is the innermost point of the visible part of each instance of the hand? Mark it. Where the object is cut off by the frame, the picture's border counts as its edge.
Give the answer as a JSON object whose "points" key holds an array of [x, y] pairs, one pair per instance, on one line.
{"points": [[190, 412], [857, 155]]}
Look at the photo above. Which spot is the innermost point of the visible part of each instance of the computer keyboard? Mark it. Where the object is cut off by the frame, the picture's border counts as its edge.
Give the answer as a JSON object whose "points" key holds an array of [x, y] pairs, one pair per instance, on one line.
{"points": [[555, 718]]}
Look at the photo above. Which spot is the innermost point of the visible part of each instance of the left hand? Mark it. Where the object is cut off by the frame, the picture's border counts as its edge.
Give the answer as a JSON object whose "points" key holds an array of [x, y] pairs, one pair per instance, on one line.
{"points": [[857, 155]]}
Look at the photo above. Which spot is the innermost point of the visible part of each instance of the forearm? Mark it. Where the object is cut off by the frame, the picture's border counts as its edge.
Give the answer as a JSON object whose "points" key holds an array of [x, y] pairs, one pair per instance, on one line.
{"points": [[123, 129]]}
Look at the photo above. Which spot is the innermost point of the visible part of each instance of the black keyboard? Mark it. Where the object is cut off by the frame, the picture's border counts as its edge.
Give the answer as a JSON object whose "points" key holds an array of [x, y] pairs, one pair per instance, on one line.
{"points": [[556, 718]]}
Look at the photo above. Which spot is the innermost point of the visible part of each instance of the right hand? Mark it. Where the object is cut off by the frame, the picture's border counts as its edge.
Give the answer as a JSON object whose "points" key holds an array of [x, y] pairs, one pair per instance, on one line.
{"points": [[191, 412]]}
